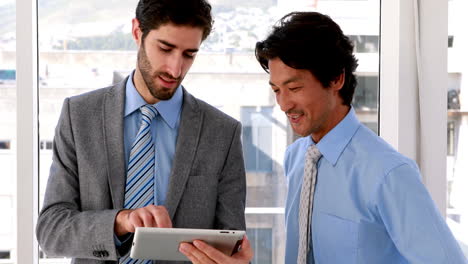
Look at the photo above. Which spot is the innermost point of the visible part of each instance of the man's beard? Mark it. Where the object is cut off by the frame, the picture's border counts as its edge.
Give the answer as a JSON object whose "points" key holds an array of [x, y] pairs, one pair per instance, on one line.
{"points": [[149, 77]]}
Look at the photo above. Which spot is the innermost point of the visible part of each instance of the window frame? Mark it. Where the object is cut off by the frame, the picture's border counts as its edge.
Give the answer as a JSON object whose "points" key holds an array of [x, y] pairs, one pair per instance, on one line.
{"points": [[27, 177], [416, 129]]}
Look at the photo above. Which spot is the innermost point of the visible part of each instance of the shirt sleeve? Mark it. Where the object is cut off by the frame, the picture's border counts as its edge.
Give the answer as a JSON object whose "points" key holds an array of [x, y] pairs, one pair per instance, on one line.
{"points": [[412, 220], [123, 243], [122, 239]]}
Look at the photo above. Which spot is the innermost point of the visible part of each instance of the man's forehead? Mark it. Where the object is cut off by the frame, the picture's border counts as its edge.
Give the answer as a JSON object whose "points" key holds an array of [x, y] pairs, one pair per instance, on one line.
{"points": [[175, 28], [285, 80], [183, 37]]}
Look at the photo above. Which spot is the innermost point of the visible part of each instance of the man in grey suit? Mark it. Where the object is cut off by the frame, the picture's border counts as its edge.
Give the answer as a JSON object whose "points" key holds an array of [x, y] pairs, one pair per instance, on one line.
{"points": [[195, 165]]}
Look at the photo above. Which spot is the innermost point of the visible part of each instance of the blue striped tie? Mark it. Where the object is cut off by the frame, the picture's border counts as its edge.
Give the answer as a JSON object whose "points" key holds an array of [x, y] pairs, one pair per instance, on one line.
{"points": [[139, 189]]}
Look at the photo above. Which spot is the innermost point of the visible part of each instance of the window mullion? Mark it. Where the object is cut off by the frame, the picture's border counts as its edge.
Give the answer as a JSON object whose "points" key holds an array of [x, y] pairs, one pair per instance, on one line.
{"points": [[27, 132]]}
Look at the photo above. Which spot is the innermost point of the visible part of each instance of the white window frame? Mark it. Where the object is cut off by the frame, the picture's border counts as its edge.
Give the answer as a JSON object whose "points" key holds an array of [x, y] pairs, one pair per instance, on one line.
{"points": [[399, 113], [413, 107], [27, 198]]}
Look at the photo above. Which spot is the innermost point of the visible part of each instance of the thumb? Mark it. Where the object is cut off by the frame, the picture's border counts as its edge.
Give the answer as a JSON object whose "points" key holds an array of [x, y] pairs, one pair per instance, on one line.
{"points": [[246, 252]]}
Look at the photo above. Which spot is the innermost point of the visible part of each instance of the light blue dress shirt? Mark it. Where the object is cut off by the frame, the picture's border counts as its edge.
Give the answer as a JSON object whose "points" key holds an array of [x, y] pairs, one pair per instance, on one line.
{"points": [[164, 129], [370, 205]]}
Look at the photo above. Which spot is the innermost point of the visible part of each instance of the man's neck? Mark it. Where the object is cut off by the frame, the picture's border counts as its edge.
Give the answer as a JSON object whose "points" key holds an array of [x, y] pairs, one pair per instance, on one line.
{"points": [[142, 89], [339, 114]]}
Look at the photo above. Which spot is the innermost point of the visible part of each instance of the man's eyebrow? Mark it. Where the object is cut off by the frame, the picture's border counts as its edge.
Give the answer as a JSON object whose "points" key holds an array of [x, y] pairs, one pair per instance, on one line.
{"points": [[167, 43], [174, 46], [290, 80]]}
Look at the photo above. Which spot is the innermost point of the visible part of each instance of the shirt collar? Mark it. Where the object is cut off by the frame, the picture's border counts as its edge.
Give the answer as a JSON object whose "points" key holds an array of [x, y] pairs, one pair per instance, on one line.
{"points": [[334, 142], [168, 109]]}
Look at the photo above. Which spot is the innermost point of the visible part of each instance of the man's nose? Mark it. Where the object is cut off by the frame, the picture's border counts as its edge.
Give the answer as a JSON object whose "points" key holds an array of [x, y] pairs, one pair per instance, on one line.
{"points": [[174, 65], [284, 102]]}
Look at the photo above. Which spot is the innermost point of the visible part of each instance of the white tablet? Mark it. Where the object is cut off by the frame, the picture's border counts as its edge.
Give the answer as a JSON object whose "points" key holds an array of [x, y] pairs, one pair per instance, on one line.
{"points": [[163, 243]]}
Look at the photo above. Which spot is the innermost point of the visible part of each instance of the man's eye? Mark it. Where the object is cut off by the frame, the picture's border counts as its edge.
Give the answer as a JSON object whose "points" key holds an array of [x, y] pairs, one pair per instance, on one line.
{"points": [[164, 50], [189, 55], [275, 90], [294, 88]]}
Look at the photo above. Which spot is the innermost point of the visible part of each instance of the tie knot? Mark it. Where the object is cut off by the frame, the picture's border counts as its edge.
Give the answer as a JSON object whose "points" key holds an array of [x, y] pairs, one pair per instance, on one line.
{"points": [[148, 112], [313, 153]]}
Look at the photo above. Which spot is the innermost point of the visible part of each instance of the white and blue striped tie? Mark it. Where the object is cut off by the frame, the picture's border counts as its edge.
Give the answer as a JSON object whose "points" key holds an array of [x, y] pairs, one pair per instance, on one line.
{"points": [[306, 203], [139, 189]]}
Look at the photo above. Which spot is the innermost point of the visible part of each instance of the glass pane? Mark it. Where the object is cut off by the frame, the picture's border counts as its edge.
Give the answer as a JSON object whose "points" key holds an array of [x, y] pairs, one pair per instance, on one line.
{"points": [[7, 130], [457, 124], [82, 46], [88, 46], [226, 74]]}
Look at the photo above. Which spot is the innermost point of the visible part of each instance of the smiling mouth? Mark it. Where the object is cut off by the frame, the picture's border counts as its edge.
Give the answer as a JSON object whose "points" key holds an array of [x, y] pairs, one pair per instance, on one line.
{"points": [[294, 117]]}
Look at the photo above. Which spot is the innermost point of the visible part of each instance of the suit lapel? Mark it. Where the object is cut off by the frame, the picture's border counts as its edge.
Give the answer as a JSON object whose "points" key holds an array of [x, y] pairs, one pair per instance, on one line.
{"points": [[187, 142], [113, 127]]}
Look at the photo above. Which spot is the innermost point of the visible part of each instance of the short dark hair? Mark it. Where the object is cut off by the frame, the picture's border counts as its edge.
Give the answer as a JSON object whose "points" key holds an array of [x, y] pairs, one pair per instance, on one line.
{"points": [[312, 41], [153, 13]]}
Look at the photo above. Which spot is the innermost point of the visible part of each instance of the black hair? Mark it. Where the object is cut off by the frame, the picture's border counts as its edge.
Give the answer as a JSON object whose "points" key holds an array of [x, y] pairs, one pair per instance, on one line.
{"points": [[312, 41], [153, 13]]}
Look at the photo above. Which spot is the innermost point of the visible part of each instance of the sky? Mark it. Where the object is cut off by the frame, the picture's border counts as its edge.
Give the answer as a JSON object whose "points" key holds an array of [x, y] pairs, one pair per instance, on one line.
{"points": [[5, 2]]}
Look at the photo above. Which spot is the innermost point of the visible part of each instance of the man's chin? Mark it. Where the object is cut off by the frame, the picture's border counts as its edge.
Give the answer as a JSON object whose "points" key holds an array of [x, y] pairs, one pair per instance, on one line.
{"points": [[164, 96], [300, 132]]}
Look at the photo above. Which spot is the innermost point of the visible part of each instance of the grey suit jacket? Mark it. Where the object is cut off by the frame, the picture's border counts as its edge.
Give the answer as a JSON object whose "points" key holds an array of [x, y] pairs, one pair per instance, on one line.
{"points": [[86, 185]]}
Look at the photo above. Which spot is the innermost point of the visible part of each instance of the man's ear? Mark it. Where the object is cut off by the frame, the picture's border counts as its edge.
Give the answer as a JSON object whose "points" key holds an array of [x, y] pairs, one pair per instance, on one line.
{"points": [[338, 83], [136, 32]]}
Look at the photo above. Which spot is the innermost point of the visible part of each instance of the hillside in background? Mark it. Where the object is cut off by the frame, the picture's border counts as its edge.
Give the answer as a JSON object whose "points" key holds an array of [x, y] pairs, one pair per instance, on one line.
{"points": [[52, 12], [106, 25]]}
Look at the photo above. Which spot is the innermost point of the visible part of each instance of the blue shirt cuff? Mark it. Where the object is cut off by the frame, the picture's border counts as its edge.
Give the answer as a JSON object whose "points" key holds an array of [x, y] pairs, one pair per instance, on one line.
{"points": [[122, 239]]}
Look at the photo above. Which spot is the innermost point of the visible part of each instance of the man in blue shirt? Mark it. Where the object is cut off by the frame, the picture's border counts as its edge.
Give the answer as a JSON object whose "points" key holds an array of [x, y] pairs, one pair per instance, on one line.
{"points": [[368, 203], [143, 152]]}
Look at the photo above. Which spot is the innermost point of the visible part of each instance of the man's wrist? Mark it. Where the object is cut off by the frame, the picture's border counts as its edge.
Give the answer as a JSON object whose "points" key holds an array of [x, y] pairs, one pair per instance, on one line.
{"points": [[119, 224]]}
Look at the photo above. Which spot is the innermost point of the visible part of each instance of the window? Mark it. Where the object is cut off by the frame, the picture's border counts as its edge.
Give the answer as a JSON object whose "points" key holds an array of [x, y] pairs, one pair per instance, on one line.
{"points": [[70, 59], [81, 48], [7, 129], [240, 84], [450, 41], [5, 254], [6, 223], [257, 138], [5, 144], [365, 44], [457, 125], [7, 76], [263, 239], [366, 98], [88, 46], [45, 144], [450, 138]]}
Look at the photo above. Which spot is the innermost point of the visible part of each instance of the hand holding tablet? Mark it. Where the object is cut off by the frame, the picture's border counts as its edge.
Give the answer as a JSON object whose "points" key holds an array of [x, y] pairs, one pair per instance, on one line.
{"points": [[201, 253], [163, 243]]}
